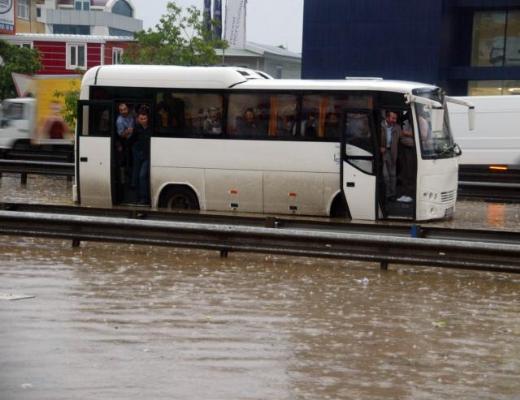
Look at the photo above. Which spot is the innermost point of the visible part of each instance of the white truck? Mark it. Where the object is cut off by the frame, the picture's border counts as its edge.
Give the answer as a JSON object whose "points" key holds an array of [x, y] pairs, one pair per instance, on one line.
{"points": [[17, 123]]}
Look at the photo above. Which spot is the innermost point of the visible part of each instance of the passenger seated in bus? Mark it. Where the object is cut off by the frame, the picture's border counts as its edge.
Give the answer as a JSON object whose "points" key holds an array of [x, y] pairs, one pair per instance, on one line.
{"points": [[310, 125], [287, 126], [213, 123], [162, 117], [249, 125], [332, 126], [406, 161], [141, 157]]}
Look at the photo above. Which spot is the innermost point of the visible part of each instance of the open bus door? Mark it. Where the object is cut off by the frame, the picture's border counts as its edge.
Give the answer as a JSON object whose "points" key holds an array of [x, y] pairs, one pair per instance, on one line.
{"points": [[94, 152], [358, 166]]}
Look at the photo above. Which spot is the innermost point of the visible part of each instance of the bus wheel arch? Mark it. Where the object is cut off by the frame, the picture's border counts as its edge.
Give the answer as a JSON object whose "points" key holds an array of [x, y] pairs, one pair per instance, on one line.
{"points": [[178, 197], [339, 207]]}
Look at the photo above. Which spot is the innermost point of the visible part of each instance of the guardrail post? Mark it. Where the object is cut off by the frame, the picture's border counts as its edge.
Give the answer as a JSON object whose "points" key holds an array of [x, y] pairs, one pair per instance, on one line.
{"points": [[416, 231], [384, 265], [23, 179], [76, 243], [223, 253]]}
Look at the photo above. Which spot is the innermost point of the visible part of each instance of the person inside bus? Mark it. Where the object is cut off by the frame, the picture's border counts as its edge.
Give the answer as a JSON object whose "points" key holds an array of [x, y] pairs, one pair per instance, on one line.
{"points": [[125, 128], [287, 126], [332, 126], [390, 133], [141, 157], [407, 161], [310, 125], [163, 117], [248, 125], [213, 123]]}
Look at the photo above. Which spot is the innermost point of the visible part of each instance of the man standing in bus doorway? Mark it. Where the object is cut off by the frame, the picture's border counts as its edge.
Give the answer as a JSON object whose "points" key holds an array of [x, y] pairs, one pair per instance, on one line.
{"points": [[125, 129], [390, 133], [141, 158]]}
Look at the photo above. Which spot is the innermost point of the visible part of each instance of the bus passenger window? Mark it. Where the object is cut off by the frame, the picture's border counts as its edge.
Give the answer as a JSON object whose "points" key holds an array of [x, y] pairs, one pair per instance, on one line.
{"points": [[332, 126], [188, 114], [322, 114], [262, 116], [358, 131]]}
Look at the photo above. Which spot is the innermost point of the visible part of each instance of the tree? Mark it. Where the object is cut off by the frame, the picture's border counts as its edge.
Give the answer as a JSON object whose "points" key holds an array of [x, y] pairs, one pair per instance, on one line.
{"points": [[15, 59], [70, 103], [179, 39]]}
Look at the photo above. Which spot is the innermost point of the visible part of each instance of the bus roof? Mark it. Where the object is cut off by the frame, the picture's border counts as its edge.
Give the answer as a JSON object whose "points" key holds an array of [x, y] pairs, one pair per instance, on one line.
{"points": [[162, 76]]}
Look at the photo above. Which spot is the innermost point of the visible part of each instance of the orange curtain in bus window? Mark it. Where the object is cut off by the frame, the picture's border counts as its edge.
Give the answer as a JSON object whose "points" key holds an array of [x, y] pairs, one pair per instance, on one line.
{"points": [[273, 117], [324, 105]]}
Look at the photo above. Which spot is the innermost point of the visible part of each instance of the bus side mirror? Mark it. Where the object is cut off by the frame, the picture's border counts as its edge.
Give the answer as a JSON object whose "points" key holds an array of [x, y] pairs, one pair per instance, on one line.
{"points": [[471, 118]]}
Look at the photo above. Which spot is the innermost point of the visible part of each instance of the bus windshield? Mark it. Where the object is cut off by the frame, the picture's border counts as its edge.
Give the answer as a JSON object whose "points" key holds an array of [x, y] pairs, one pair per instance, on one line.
{"points": [[434, 129]]}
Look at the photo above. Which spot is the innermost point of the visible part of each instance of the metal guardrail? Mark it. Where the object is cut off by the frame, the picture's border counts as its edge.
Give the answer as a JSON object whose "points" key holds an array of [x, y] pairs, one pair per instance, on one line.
{"points": [[438, 247], [37, 167]]}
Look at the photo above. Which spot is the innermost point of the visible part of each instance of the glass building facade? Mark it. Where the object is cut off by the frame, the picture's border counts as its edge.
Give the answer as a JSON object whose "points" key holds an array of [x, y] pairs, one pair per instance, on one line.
{"points": [[466, 46]]}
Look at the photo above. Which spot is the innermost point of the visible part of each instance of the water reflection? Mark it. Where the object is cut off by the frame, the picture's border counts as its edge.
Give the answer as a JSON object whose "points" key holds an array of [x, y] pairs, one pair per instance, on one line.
{"points": [[132, 322], [496, 214]]}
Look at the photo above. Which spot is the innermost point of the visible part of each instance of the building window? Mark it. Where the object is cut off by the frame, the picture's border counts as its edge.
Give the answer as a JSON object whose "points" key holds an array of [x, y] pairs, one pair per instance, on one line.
{"points": [[117, 55], [22, 9], [71, 29], [122, 7], [493, 88], [38, 12], [82, 5], [76, 56], [26, 45], [496, 39]]}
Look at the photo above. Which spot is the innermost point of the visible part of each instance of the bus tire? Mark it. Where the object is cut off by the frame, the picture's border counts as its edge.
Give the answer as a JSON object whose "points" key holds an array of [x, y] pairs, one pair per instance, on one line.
{"points": [[339, 208], [179, 198]]}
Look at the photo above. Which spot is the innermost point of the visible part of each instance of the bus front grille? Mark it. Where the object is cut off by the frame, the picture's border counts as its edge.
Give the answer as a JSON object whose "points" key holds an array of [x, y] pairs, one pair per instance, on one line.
{"points": [[448, 197]]}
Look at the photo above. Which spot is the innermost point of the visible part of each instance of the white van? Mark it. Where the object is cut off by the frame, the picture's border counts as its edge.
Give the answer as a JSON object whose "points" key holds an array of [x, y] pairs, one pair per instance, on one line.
{"points": [[494, 144]]}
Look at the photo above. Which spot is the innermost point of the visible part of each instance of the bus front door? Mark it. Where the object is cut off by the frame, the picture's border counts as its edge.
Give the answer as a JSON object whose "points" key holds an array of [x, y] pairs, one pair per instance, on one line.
{"points": [[358, 169], [94, 153]]}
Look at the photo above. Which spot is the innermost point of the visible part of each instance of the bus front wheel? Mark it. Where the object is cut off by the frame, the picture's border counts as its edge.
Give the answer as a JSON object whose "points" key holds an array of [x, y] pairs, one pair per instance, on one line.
{"points": [[179, 198]]}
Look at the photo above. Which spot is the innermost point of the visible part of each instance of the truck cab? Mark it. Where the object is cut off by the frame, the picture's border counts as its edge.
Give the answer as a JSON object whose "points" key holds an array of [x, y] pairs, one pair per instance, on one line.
{"points": [[17, 123]]}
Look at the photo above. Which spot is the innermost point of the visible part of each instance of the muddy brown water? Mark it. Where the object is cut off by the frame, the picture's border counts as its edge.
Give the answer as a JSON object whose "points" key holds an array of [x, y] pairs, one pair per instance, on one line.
{"points": [[131, 322]]}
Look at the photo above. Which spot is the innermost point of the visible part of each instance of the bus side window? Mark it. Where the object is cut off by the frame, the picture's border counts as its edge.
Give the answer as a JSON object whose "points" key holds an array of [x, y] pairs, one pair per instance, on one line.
{"points": [[188, 114], [248, 115]]}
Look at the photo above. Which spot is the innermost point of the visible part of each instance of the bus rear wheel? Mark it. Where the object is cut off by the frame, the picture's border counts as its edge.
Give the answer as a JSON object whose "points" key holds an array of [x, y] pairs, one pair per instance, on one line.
{"points": [[179, 198]]}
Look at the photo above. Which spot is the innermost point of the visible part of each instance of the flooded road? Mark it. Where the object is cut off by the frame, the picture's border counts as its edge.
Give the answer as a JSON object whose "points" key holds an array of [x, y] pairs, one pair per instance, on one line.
{"points": [[134, 322]]}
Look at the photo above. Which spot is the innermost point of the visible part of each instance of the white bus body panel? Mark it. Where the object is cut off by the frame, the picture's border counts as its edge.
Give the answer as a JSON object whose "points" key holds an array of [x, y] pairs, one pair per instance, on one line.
{"points": [[276, 177], [95, 172], [436, 191], [496, 138]]}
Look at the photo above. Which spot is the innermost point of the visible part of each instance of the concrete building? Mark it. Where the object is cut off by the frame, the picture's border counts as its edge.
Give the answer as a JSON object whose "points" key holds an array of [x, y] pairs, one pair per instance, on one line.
{"points": [[82, 17], [466, 46], [277, 62]]}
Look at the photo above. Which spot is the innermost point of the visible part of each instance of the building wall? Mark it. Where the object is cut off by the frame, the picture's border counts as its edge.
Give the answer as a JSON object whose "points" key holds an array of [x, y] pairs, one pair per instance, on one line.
{"points": [[394, 39], [30, 25], [427, 40]]}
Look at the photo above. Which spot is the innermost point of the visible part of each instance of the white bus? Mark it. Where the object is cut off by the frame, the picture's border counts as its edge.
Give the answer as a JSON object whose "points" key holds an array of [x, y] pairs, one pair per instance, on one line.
{"points": [[233, 139]]}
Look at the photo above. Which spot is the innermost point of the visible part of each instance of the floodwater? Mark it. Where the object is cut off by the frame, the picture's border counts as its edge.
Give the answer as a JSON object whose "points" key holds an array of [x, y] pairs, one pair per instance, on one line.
{"points": [[136, 322]]}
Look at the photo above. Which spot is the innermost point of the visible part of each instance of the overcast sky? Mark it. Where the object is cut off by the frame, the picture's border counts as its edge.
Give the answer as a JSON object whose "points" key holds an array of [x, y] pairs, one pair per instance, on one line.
{"points": [[271, 22]]}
